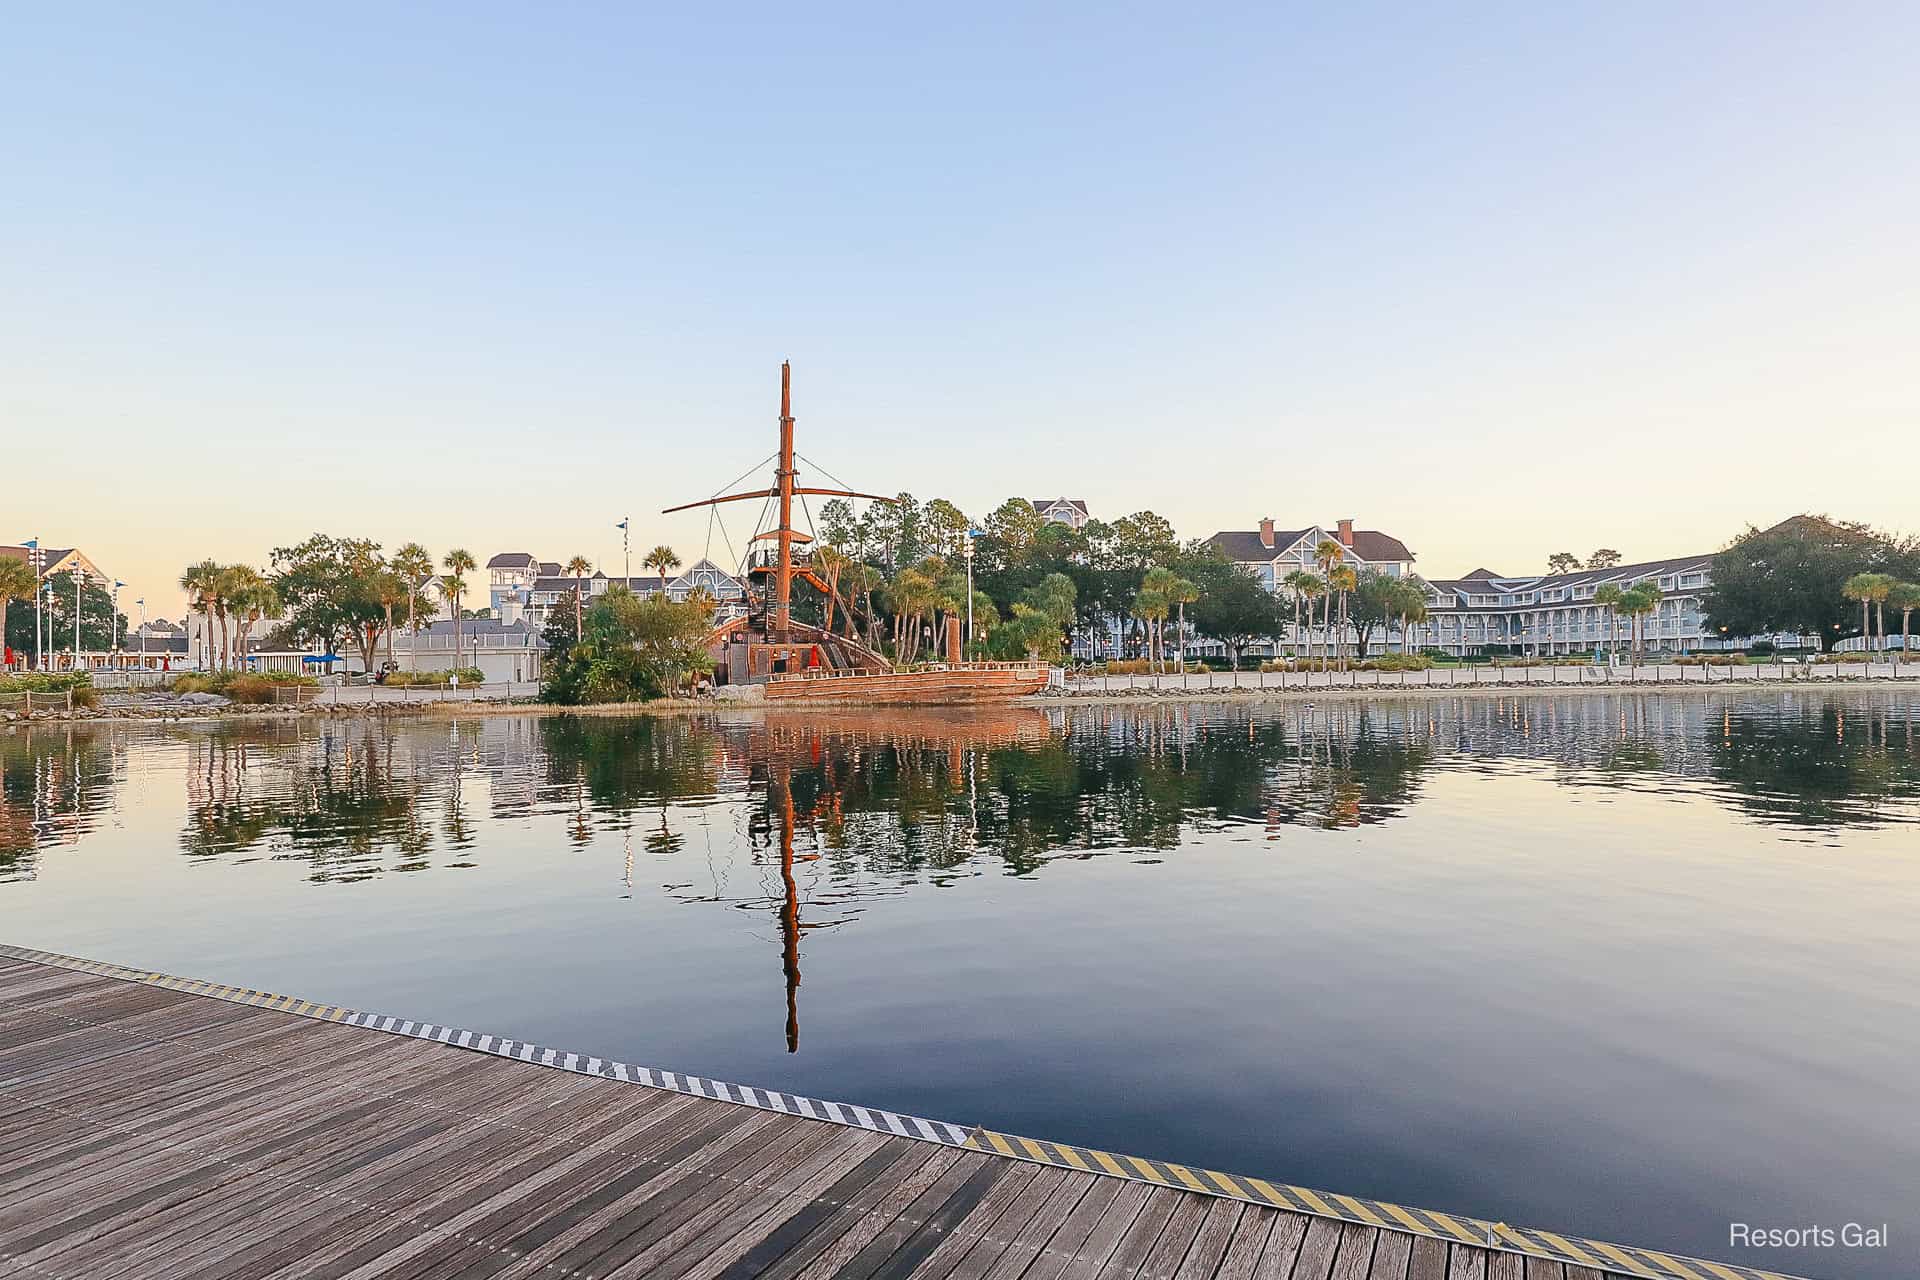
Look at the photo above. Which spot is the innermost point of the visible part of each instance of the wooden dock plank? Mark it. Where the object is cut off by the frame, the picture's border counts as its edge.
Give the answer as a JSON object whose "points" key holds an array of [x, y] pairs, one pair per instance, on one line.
{"points": [[148, 1133]]}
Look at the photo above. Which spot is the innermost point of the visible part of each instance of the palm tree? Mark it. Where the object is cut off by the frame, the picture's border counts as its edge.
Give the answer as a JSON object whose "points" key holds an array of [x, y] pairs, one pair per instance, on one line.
{"points": [[911, 590], [1637, 603], [413, 563], [1150, 606], [1183, 592], [459, 561], [1869, 589], [578, 567], [1410, 602], [251, 597], [1609, 596], [390, 589], [1904, 596], [1327, 553], [17, 582], [663, 562], [1313, 587], [1302, 584], [1883, 585], [1345, 579], [201, 582], [1160, 581]]}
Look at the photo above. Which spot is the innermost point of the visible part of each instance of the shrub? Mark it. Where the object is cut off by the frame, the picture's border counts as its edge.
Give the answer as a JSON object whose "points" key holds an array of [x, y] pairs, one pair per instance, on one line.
{"points": [[1398, 662], [259, 684], [250, 688], [434, 679], [45, 681]]}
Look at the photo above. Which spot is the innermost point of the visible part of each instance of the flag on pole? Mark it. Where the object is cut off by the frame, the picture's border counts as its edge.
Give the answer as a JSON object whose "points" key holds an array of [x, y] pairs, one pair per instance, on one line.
{"points": [[622, 526]]}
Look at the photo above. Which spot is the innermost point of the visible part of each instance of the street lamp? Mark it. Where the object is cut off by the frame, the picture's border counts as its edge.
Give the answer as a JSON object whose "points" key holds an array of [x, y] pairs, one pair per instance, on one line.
{"points": [[79, 581], [967, 548], [33, 560], [113, 622], [142, 602]]}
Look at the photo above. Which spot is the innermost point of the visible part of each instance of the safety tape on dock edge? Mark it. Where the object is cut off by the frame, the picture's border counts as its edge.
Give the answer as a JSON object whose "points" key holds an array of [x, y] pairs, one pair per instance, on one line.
{"points": [[1454, 1228], [1451, 1227], [844, 1113]]}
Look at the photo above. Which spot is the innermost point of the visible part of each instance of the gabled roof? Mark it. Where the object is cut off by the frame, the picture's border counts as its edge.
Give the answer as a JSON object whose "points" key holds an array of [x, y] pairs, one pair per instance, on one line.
{"points": [[1372, 545], [1041, 504], [513, 560], [1245, 546], [549, 569]]}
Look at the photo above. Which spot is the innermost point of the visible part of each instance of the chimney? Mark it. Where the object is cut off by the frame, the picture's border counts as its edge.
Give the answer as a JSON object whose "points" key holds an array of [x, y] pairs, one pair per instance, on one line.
{"points": [[1346, 534], [1266, 533]]}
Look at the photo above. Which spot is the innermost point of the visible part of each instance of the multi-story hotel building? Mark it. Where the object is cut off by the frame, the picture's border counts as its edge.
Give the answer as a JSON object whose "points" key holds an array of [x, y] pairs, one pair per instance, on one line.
{"points": [[1555, 613]]}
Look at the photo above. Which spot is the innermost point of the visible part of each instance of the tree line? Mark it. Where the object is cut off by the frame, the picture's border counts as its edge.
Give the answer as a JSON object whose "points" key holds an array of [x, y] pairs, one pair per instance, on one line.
{"points": [[1040, 586]]}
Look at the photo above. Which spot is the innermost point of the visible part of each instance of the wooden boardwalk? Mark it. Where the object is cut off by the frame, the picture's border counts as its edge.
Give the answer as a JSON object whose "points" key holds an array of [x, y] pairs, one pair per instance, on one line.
{"points": [[152, 1133]]}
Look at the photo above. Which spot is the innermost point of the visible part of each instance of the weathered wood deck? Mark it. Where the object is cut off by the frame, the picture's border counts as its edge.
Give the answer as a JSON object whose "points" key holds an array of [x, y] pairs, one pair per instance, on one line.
{"points": [[152, 1133]]}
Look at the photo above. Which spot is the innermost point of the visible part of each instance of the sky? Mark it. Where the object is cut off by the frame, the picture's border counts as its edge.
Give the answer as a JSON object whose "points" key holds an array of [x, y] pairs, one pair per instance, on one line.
{"points": [[1500, 280]]}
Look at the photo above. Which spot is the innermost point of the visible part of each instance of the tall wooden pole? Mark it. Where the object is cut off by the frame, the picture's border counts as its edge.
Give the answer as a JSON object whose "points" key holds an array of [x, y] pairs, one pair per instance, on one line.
{"points": [[783, 579]]}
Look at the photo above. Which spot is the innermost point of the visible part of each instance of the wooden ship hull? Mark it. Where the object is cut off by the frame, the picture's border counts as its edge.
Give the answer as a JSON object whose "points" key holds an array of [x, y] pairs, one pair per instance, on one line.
{"points": [[968, 682], [798, 663]]}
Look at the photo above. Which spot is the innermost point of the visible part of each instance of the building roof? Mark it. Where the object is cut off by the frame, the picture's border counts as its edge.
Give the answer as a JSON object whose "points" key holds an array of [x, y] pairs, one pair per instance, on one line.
{"points": [[1244, 546], [513, 560], [471, 627], [1372, 545], [549, 568], [1041, 504], [50, 556], [1480, 582]]}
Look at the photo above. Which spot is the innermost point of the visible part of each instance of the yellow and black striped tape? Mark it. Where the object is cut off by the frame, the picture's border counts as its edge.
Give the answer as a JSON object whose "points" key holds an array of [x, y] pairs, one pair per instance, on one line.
{"points": [[1597, 1254]]}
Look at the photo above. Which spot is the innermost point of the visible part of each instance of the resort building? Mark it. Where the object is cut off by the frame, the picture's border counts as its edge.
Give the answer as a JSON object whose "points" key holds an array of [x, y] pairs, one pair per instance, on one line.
{"points": [[555, 590], [510, 579], [502, 651], [1555, 613], [1071, 512], [1271, 554]]}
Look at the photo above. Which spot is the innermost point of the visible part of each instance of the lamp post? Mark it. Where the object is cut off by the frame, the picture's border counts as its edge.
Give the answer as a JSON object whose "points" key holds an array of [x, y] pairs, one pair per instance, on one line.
{"points": [[79, 581], [113, 622], [33, 560], [972, 533], [142, 602]]}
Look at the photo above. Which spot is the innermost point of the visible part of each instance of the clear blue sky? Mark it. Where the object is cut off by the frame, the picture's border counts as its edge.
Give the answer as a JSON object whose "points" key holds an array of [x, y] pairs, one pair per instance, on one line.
{"points": [[1500, 280]]}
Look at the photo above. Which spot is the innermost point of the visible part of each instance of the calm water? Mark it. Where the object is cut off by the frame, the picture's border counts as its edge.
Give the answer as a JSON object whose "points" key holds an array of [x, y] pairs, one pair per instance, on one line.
{"points": [[1627, 965]]}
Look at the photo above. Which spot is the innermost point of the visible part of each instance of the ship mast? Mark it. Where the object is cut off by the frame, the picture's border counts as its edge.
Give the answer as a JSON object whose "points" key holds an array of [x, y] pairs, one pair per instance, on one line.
{"points": [[783, 576], [784, 488]]}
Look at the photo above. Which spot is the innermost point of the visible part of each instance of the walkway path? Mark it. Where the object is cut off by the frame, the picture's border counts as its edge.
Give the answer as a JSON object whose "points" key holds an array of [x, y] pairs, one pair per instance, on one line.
{"points": [[157, 1127]]}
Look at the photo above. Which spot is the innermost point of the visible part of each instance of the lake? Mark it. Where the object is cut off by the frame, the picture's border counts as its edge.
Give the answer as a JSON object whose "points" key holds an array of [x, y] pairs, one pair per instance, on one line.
{"points": [[1628, 965]]}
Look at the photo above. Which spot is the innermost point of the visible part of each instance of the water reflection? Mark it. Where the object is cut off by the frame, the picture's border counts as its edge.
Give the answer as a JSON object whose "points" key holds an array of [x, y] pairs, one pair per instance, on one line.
{"points": [[55, 783], [1555, 959], [892, 795]]}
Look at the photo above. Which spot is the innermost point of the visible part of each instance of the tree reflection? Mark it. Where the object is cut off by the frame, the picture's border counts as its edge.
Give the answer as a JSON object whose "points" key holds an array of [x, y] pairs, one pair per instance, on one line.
{"points": [[55, 782], [1825, 765], [887, 797]]}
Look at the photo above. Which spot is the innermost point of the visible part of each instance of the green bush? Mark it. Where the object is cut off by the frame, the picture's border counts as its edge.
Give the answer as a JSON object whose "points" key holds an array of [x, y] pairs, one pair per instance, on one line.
{"points": [[258, 684], [45, 682], [1398, 662]]}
